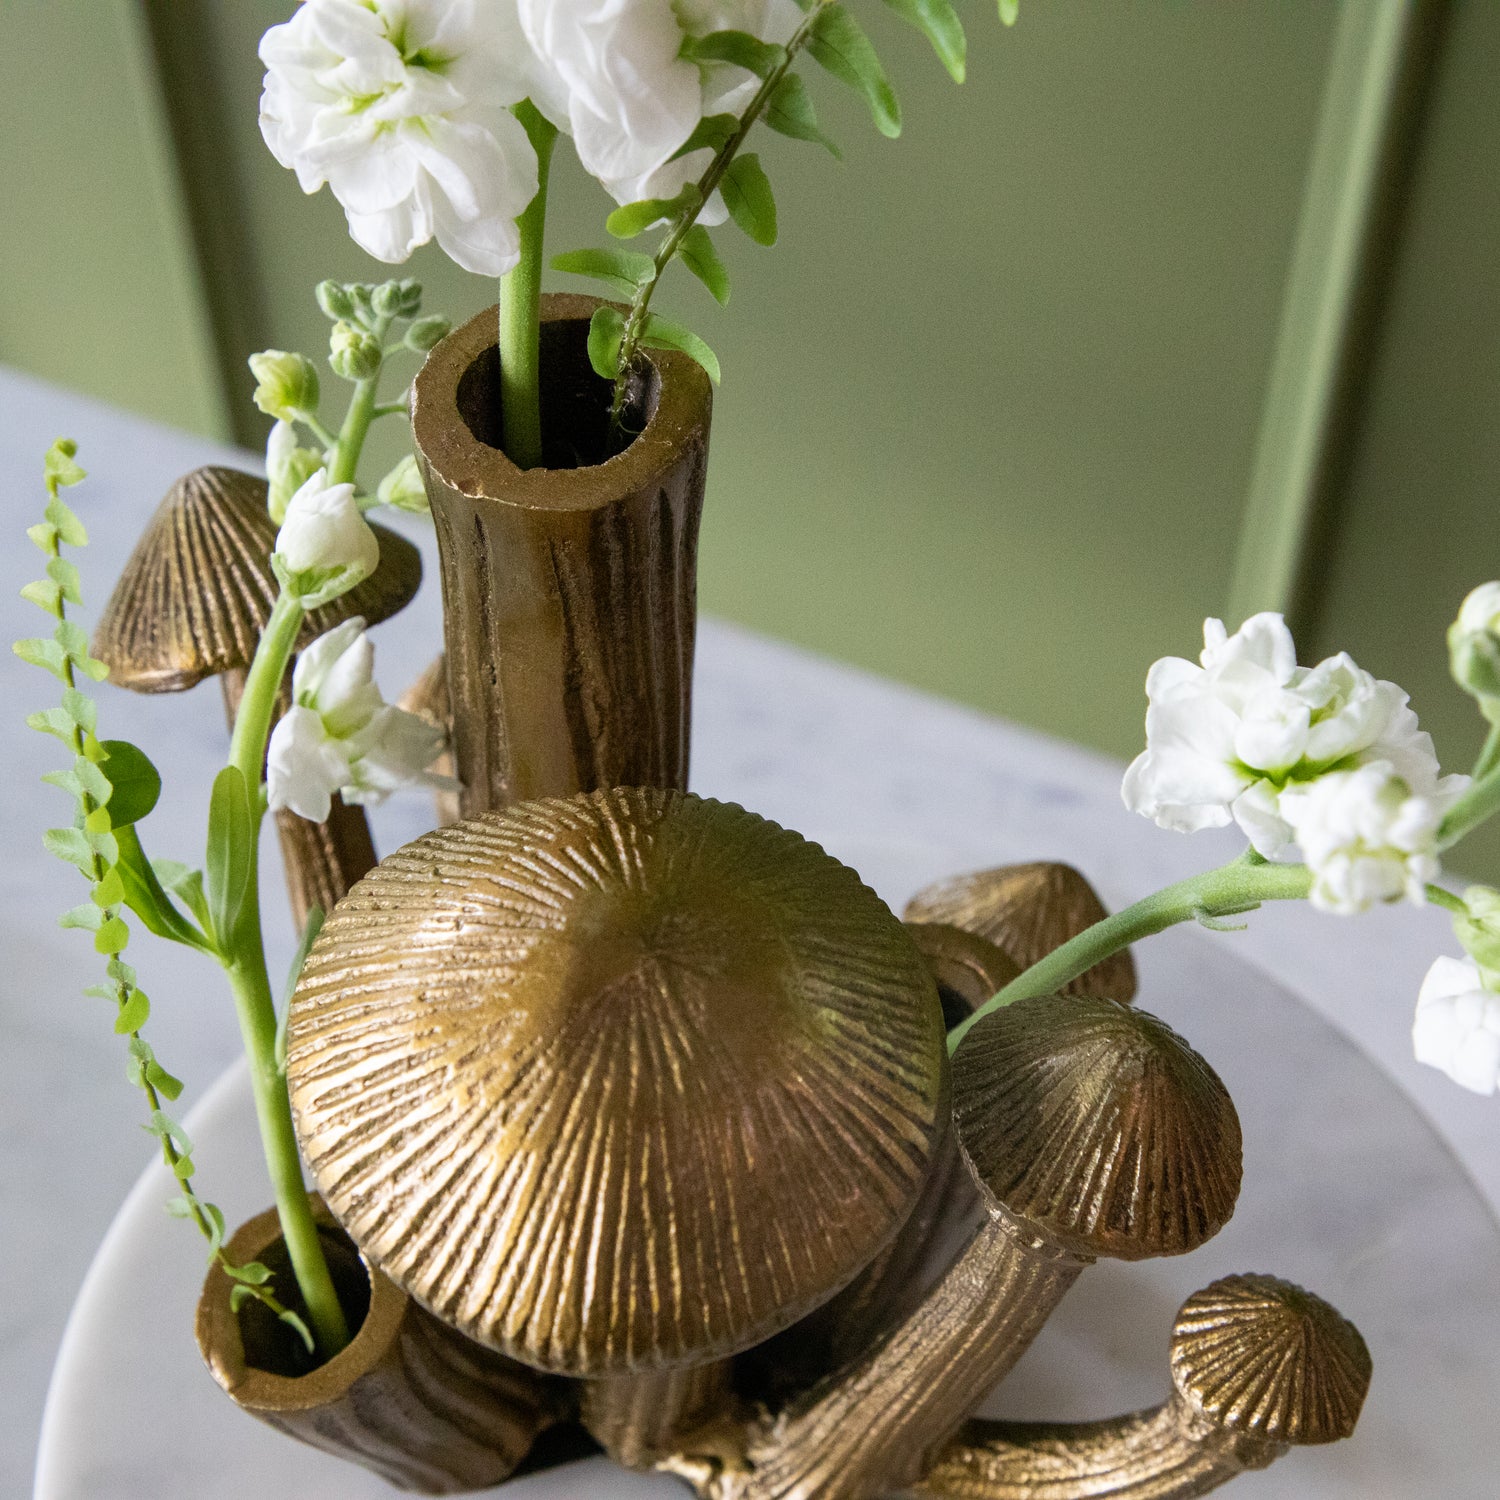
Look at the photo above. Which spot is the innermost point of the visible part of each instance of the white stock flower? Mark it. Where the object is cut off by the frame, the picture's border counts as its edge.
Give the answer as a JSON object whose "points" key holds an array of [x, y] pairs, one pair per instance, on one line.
{"points": [[1366, 836], [288, 467], [340, 735], [1225, 738], [325, 546], [630, 99], [401, 107], [1457, 1026]]}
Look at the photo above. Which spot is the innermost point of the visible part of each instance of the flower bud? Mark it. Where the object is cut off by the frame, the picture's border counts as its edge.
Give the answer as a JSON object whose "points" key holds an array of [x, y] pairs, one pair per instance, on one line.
{"points": [[286, 384], [354, 354], [325, 546], [1479, 931], [335, 300], [397, 299], [288, 467], [426, 332], [1474, 643], [402, 488], [1457, 1025]]}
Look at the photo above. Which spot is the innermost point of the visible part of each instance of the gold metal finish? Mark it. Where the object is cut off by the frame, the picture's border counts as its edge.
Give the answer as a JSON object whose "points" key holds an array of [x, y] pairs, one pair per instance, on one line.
{"points": [[1090, 1130], [620, 1082], [192, 602], [569, 591], [1258, 1365], [641, 1419], [1028, 910], [424, 1407], [428, 698]]}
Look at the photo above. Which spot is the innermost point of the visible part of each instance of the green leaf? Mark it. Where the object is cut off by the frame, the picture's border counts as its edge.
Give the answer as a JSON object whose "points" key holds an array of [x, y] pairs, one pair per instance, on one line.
{"points": [[790, 110], [634, 218], [185, 882], [252, 1273], [65, 576], [44, 536], [606, 329], [92, 668], [711, 133], [215, 1216], [144, 895], [46, 654], [110, 891], [160, 1124], [939, 23], [72, 845], [661, 333], [748, 196], [134, 1014], [120, 971], [45, 594], [702, 259], [162, 1081], [93, 782], [102, 991], [136, 782], [239, 1296], [839, 44], [113, 936], [310, 930], [624, 270], [52, 721], [59, 468], [737, 47], [1009, 10], [229, 854], [90, 918], [81, 709], [69, 528], [295, 1323]]}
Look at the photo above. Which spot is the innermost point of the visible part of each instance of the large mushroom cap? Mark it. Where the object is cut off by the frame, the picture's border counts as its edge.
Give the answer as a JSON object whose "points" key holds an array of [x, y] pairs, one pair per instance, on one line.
{"points": [[618, 1081], [1261, 1356], [1099, 1125], [1028, 910], [198, 588]]}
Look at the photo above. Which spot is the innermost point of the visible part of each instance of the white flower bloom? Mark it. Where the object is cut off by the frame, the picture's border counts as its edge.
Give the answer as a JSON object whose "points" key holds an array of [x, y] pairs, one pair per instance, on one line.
{"points": [[340, 735], [1366, 837], [1225, 738], [1457, 1027], [325, 546], [288, 467], [631, 100], [1474, 642], [401, 107]]}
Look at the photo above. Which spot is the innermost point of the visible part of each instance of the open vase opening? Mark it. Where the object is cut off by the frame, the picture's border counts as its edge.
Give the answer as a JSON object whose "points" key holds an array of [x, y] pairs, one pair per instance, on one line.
{"points": [[569, 592]]}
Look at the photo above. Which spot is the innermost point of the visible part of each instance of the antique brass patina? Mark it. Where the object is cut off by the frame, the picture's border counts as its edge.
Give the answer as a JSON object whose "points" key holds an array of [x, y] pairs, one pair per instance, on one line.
{"points": [[617, 1083]]}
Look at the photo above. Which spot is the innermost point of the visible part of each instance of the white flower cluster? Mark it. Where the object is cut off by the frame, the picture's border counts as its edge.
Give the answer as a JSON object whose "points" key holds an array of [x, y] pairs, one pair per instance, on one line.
{"points": [[1458, 1025], [340, 735], [402, 107], [1325, 759]]}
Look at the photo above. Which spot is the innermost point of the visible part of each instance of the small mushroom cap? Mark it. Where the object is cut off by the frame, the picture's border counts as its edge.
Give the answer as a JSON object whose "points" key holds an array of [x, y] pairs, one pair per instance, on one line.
{"points": [[968, 969], [619, 1081], [1261, 1356], [1028, 910], [197, 591], [428, 696], [1097, 1125]]}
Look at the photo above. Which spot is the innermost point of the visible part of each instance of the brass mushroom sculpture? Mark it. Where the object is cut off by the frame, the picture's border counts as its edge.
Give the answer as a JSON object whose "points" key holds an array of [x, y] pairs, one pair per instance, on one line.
{"points": [[618, 1084], [192, 602]]}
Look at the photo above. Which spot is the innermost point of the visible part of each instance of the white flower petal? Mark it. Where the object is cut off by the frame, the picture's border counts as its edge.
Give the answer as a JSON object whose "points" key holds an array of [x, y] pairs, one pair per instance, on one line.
{"points": [[305, 766]]}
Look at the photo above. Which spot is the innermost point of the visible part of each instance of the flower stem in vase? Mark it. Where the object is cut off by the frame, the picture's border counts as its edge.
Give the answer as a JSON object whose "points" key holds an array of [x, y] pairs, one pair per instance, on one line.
{"points": [[520, 303]]}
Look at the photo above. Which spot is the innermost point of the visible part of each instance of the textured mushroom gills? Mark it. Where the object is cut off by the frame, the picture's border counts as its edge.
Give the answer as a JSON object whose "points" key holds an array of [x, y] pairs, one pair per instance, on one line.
{"points": [[617, 1082]]}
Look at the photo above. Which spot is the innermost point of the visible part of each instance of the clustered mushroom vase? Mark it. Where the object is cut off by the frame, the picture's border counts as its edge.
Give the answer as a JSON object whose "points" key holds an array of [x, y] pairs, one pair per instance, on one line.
{"points": [[631, 1113]]}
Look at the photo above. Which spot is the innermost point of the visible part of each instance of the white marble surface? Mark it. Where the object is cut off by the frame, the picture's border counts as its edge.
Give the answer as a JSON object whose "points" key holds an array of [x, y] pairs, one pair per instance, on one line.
{"points": [[902, 786]]}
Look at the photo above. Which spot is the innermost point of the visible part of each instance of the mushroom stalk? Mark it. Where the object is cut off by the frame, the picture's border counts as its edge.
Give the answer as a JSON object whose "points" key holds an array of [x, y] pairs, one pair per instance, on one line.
{"points": [[1170, 1452], [874, 1424], [640, 1419]]}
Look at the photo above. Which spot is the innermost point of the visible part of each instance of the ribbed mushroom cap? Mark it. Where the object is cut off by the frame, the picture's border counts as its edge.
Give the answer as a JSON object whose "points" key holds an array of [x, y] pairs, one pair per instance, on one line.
{"points": [[1028, 910], [198, 588], [1261, 1356], [1098, 1125], [618, 1081], [968, 969]]}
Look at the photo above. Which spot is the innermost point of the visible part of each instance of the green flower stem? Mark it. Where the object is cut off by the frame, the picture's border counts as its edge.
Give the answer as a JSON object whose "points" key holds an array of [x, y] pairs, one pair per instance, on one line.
{"points": [[1478, 803], [1447, 900], [1489, 757], [244, 957], [1231, 889], [351, 438], [640, 307], [520, 310]]}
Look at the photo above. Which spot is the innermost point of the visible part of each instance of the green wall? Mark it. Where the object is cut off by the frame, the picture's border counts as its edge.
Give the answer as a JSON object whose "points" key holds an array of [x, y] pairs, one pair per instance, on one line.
{"points": [[998, 407]]}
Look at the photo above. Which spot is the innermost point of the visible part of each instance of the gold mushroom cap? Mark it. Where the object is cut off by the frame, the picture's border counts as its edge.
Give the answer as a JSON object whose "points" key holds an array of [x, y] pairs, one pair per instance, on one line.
{"points": [[1028, 910], [617, 1082], [1262, 1357], [1097, 1124], [198, 588]]}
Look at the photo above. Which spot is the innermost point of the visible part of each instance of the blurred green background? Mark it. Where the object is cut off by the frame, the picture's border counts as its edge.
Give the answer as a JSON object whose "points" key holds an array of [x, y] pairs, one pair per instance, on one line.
{"points": [[1173, 309]]}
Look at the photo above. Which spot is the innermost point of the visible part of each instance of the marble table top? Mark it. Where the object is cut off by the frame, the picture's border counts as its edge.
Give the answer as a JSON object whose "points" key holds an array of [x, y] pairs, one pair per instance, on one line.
{"points": [[903, 786]]}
